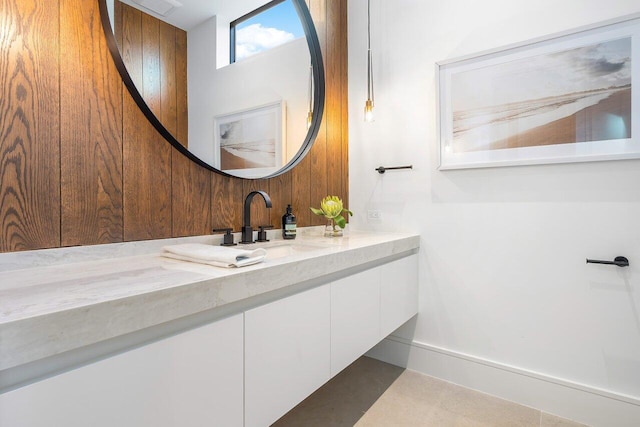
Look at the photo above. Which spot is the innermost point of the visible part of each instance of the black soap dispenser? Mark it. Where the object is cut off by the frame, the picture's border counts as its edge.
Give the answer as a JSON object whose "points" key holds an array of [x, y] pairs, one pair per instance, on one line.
{"points": [[288, 224]]}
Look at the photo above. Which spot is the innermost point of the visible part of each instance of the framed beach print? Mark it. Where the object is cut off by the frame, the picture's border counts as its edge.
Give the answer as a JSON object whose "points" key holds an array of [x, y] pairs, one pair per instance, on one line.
{"points": [[571, 97], [251, 143]]}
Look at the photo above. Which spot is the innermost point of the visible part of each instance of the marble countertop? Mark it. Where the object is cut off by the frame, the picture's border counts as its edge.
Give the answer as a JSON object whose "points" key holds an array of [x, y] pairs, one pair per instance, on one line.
{"points": [[52, 301]]}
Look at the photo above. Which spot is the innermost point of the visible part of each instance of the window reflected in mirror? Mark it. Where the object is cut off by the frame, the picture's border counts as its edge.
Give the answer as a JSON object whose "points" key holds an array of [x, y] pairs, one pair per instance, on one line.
{"points": [[271, 25]]}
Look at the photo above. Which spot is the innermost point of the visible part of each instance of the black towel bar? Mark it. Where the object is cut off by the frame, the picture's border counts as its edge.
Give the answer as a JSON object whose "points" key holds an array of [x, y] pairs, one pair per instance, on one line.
{"points": [[619, 261], [383, 169]]}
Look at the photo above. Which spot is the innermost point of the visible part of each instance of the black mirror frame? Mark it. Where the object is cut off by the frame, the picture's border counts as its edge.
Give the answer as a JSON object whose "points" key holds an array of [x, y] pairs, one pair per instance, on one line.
{"points": [[318, 90]]}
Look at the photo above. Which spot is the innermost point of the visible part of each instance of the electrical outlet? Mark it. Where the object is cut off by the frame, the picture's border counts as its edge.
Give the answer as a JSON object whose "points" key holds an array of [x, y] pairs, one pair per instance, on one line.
{"points": [[374, 215]]}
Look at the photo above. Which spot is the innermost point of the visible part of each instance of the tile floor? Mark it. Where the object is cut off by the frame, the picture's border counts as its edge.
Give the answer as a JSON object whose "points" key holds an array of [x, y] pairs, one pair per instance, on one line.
{"points": [[370, 393]]}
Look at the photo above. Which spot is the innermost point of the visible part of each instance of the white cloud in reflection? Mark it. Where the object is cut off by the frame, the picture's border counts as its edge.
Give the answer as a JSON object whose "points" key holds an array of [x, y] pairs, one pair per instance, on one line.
{"points": [[256, 38]]}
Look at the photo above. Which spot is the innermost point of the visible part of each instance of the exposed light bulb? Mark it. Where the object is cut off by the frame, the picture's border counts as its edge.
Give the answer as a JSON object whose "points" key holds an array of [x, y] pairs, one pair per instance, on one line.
{"points": [[310, 97], [368, 106], [368, 111]]}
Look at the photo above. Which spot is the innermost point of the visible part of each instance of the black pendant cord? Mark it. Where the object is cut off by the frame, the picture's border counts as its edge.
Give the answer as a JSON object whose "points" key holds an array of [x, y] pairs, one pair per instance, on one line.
{"points": [[370, 94]]}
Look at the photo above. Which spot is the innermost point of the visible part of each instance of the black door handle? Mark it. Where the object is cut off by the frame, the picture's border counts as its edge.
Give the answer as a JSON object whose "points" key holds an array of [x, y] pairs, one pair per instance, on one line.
{"points": [[619, 261]]}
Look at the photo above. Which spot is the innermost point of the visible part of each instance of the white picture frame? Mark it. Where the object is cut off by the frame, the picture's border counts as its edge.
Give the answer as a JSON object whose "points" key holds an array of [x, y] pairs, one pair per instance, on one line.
{"points": [[517, 105], [251, 143]]}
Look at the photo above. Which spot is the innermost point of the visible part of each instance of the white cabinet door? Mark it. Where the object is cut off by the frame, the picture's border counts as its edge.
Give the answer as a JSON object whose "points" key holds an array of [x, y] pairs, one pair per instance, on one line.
{"points": [[398, 293], [190, 379], [286, 354], [355, 317]]}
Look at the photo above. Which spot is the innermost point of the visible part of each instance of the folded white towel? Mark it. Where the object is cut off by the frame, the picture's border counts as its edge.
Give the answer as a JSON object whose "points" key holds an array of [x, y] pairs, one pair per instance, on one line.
{"points": [[219, 256]]}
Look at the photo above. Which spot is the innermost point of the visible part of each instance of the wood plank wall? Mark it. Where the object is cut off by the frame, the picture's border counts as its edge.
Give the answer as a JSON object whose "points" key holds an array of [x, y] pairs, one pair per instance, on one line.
{"points": [[80, 165], [155, 53]]}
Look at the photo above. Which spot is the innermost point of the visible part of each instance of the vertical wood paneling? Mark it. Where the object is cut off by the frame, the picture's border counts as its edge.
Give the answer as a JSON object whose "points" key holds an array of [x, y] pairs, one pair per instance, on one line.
{"points": [[117, 21], [131, 42], [344, 83], [147, 157], [226, 202], [167, 70], [147, 177], [162, 193], [182, 103], [318, 166], [280, 192], [163, 48], [151, 90], [91, 131], [191, 196], [333, 102], [29, 125], [301, 196]]}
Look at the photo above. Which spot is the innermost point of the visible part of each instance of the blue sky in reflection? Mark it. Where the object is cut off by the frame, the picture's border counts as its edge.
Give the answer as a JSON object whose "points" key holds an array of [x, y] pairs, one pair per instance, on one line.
{"points": [[275, 26]]}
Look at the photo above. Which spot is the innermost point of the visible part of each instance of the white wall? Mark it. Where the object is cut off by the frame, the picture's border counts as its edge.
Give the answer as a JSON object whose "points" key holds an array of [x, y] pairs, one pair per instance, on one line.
{"points": [[503, 282], [281, 73]]}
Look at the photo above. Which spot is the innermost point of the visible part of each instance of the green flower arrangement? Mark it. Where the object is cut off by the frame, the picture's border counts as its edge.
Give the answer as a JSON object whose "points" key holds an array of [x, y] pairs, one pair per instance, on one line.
{"points": [[331, 208]]}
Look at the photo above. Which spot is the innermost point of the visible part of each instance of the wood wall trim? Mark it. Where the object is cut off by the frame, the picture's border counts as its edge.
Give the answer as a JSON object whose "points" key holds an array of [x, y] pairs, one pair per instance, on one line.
{"points": [[81, 165]]}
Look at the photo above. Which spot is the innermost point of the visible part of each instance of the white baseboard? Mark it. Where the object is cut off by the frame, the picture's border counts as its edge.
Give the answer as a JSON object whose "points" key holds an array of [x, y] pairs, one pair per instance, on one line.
{"points": [[585, 404]]}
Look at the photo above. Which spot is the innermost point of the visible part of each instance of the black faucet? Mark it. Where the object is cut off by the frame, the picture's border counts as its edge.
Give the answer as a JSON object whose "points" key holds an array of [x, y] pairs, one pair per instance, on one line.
{"points": [[247, 231]]}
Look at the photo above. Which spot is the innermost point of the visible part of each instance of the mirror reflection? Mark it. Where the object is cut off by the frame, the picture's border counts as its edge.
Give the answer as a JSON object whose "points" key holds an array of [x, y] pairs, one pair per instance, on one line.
{"points": [[231, 81]]}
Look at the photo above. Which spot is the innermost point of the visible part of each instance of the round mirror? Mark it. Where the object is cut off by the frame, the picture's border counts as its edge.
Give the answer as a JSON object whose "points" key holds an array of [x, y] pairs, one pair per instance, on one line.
{"points": [[237, 86]]}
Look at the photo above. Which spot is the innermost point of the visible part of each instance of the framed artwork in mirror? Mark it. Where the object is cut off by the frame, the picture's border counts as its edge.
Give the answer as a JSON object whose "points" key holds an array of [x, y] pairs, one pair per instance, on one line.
{"points": [[558, 99], [251, 143]]}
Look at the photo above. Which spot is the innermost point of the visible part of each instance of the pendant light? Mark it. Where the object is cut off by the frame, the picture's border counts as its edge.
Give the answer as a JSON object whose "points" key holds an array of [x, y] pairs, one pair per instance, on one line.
{"points": [[368, 105], [310, 96]]}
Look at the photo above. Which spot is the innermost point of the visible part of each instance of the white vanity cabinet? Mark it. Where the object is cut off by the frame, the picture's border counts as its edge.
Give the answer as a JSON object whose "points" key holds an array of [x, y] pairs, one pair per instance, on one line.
{"points": [[355, 317], [190, 379], [296, 344], [368, 306], [286, 354], [398, 293]]}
